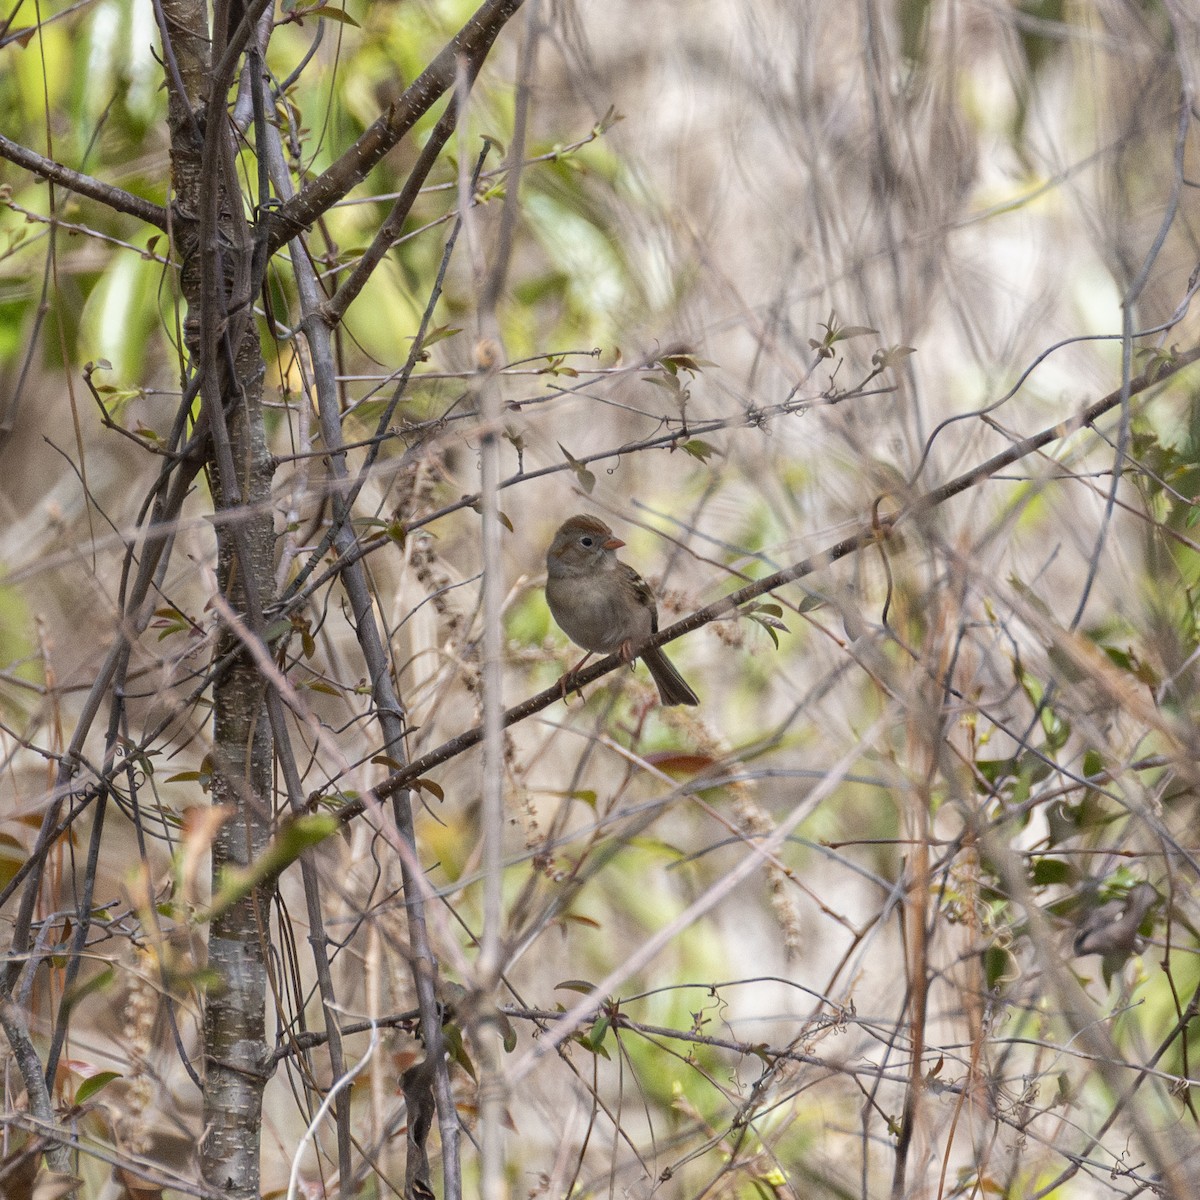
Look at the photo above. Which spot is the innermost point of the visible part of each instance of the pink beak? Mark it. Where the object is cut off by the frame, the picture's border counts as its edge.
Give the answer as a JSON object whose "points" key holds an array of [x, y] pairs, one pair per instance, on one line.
{"points": [[612, 543]]}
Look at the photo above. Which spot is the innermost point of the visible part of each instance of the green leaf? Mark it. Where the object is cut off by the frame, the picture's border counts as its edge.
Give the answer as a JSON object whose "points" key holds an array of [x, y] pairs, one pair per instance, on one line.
{"points": [[699, 449], [93, 1084], [586, 479], [576, 985], [556, 366], [771, 632], [507, 1033], [1048, 871], [438, 334], [1066, 1091], [998, 965], [994, 770], [327, 14], [1057, 731], [292, 840], [585, 795], [835, 333], [889, 357], [766, 615], [276, 630], [1119, 658], [457, 1050], [684, 362], [594, 1040], [1157, 361], [320, 685], [669, 382]]}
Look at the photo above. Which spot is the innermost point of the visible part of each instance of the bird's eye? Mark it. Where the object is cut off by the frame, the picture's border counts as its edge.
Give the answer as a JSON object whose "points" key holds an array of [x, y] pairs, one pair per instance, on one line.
{"points": [[586, 541]]}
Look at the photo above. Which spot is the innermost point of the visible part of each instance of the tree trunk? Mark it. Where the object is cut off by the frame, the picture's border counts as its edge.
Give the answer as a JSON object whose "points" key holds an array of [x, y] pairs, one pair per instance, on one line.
{"points": [[216, 250]]}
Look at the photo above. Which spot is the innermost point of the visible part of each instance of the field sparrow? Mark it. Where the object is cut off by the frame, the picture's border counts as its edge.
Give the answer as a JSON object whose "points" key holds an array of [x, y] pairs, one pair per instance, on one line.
{"points": [[604, 605]]}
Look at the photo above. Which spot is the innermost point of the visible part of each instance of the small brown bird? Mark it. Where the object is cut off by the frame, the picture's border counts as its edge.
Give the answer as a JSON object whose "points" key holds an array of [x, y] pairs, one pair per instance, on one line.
{"points": [[604, 605]]}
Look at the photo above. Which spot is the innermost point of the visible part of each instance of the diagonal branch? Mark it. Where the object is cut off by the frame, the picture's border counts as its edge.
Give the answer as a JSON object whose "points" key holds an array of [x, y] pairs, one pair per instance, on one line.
{"points": [[870, 533], [83, 185], [333, 311], [473, 41]]}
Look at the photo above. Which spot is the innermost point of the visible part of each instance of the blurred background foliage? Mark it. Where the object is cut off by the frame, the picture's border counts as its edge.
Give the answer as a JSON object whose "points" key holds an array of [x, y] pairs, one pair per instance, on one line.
{"points": [[984, 725]]}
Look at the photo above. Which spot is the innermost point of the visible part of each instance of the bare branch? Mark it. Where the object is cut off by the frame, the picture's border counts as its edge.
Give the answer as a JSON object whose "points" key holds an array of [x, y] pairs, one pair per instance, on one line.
{"points": [[83, 185], [867, 535], [473, 42]]}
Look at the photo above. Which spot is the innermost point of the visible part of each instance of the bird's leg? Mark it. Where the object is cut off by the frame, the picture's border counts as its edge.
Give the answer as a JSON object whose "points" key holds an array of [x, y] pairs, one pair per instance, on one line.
{"points": [[564, 683]]}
